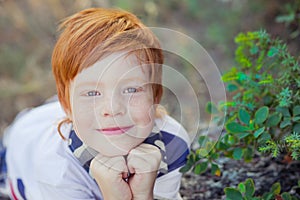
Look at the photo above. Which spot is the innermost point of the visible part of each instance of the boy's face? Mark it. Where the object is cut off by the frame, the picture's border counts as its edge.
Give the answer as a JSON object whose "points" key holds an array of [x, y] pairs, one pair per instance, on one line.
{"points": [[112, 104]]}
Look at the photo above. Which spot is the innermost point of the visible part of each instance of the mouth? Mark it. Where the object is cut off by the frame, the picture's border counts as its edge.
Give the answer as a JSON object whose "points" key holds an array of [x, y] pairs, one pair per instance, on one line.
{"points": [[115, 130]]}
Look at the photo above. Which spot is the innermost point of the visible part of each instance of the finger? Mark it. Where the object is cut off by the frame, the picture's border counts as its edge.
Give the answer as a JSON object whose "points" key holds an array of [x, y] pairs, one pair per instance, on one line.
{"points": [[117, 164], [144, 159], [142, 165], [146, 151]]}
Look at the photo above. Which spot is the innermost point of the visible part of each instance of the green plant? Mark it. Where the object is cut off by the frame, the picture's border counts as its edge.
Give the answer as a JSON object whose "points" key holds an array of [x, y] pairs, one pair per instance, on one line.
{"points": [[263, 113], [291, 142], [290, 16], [246, 191], [203, 158], [264, 110]]}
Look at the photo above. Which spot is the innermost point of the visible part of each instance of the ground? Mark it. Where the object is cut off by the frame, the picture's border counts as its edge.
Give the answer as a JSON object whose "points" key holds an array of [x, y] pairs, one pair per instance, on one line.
{"points": [[265, 171]]}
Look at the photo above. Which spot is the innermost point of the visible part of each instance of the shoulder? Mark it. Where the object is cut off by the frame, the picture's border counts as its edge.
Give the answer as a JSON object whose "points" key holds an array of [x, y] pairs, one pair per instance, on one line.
{"points": [[44, 113], [37, 155], [34, 133], [169, 125], [176, 143], [35, 120], [33, 139], [32, 122]]}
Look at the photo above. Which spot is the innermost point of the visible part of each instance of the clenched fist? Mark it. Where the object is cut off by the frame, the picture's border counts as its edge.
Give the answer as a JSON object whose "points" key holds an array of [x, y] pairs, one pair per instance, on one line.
{"points": [[143, 163], [111, 173]]}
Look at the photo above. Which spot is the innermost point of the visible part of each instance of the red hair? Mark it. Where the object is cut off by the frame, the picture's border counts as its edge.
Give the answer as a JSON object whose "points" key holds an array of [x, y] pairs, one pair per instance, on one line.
{"points": [[93, 33]]}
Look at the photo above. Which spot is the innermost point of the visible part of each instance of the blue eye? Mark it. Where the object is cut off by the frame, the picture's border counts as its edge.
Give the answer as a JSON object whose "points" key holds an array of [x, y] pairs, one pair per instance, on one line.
{"points": [[133, 90], [93, 93]]}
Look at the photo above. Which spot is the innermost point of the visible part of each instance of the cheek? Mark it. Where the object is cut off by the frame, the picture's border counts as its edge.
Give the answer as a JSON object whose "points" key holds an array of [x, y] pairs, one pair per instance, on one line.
{"points": [[141, 109], [82, 116]]}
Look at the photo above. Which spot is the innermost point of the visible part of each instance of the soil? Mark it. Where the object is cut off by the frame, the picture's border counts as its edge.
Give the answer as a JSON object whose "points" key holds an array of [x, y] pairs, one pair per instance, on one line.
{"points": [[265, 171]]}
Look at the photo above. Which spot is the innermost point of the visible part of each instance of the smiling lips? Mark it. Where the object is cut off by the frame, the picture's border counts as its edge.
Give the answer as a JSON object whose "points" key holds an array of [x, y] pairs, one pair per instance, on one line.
{"points": [[115, 130]]}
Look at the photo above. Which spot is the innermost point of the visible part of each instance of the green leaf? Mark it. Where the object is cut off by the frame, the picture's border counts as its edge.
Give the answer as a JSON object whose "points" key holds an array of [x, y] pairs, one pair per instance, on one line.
{"points": [[230, 75], [192, 158], [244, 116], [296, 128], [232, 194], [284, 111], [272, 52], [274, 119], [242, 187], [214, 156], [252, 126], [265, 136], [237, 153], [211, 108], [232, 87], [261, 115], [241, 135], [231, 140], [222, 146], [267, 100], [250, 188], [285, 123], [201, 167], [215, 170], [296, 110], [296, 118], [202, 140], [209, 146], [234, 127], [248, 154], [258, 132], [276, 188], [286, 196], [186, 168], [268, 196], [254, 50], [288, 18], [201, 152]]}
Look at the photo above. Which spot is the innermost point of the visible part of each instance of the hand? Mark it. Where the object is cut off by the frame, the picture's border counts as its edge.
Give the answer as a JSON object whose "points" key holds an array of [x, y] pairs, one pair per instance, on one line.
{"points": [[109, 173], [143, 163]]}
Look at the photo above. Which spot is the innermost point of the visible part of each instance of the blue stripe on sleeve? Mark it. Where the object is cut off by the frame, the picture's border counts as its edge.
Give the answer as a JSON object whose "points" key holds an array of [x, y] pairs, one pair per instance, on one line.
{"points": [[21, 188], [76, 142], [175, 152]]}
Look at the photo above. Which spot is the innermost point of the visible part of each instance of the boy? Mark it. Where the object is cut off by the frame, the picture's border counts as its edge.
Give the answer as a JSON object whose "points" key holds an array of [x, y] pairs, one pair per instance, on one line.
{"points": [[105, 138]]}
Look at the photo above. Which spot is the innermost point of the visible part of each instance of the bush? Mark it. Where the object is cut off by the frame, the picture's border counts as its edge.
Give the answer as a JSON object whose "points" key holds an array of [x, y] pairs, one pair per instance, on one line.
{"points": [[263, 114], [246, 191]]}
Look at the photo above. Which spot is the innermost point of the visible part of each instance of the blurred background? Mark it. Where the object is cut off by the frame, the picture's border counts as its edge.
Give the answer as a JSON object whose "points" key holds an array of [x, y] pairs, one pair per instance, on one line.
{"points": [[28, 34]]}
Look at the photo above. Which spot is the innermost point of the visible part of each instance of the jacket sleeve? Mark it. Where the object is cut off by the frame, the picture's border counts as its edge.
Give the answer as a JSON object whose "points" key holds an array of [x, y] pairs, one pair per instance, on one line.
{"points": [[67, 192], [167, 186]]}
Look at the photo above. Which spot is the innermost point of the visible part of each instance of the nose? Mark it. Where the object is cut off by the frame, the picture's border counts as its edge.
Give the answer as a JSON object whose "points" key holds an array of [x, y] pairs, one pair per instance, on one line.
{"points": [[112, 108]]}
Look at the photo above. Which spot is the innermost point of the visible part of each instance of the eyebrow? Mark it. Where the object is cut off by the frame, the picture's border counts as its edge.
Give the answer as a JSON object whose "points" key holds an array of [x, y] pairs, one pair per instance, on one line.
{"points": [[94, 83], [88, 83], [133, 79]]}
